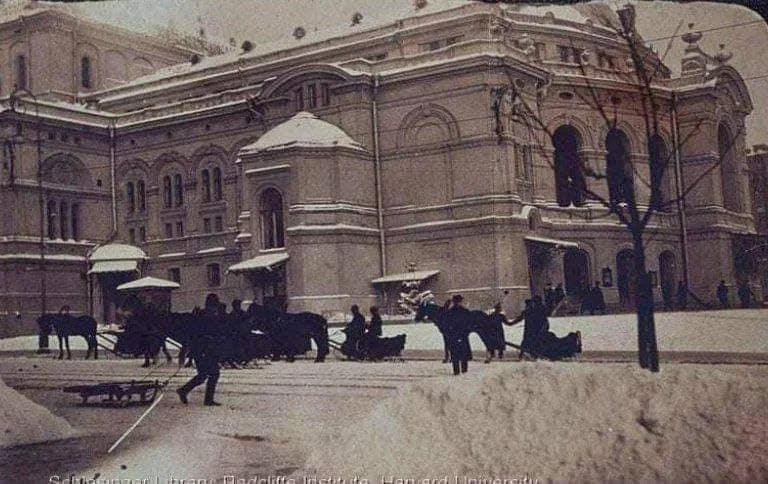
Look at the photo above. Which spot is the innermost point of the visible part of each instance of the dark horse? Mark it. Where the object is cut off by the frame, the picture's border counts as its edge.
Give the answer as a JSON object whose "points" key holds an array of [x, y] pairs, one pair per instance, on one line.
{"points": [[478, 323], [289, 333], [66, 326]]}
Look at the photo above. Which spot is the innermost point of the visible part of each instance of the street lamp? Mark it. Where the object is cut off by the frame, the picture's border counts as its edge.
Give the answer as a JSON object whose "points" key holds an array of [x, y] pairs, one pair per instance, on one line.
{"points": [[13, 102]]}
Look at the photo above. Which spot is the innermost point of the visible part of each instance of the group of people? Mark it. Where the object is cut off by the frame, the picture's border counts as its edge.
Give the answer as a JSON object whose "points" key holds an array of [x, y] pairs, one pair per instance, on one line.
{"points": [[538, 340], [744, 292], [360, 334], [592, 299]]}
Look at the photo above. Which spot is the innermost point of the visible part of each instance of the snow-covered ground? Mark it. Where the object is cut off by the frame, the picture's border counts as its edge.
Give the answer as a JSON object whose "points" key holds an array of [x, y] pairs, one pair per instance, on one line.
{"points": [[23, 421]]}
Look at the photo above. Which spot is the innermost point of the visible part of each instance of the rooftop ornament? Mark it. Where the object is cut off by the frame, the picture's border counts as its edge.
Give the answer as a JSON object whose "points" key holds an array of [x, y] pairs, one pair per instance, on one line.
{"points": [[723, 56]]}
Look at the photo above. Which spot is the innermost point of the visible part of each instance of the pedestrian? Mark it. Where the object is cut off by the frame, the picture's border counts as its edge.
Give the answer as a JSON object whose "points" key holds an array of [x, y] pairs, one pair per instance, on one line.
{"points": [[549, 298], [496, 332], [682, 295], [206, 350], [457, 320], [745, 294], [532, 316], [598, 300], [722, 294]]}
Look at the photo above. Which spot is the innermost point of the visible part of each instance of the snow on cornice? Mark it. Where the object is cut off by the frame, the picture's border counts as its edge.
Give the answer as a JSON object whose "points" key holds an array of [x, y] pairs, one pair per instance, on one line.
{"points": [[303, 130]]}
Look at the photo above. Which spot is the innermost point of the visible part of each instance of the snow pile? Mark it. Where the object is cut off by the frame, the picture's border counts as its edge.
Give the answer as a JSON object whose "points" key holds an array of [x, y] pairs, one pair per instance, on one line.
{"points": [[563, 422], [22, 421]]}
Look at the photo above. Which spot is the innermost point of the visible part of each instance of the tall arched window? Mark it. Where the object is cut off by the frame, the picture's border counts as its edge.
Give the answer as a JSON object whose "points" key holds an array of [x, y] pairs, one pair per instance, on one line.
{"points": [[51, 219], [569, 179], [21, 71], [178, 190], [217, 194], [75, 221], [141, 196], [167, 193], [272, 219], [658, 159], [619, 167], [64, 220], [85, 72], [206, 186], [130, 197], [728, 171]]}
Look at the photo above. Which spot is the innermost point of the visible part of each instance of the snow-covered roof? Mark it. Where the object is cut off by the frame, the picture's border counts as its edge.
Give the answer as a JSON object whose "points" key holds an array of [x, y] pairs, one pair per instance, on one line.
{"points": [[117, 252], [265, 261], [555, 242], [148, 283], [108, 266], [405, 277], [302, 130]]}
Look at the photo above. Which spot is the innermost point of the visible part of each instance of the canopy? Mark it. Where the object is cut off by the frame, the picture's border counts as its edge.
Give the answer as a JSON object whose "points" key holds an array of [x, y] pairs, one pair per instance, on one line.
{"points": [[148, 283], [261, 262], [103, 267], [406, 277], [557, 243]]}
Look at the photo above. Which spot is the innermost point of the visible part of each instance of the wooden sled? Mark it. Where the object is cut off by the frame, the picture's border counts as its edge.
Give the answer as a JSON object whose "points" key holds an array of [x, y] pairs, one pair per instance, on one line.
{"points": [[117, 394]]}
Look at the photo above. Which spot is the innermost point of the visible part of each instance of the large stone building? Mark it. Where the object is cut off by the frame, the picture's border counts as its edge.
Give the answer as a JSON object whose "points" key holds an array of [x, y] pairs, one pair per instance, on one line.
{"points": [[328, 167]]}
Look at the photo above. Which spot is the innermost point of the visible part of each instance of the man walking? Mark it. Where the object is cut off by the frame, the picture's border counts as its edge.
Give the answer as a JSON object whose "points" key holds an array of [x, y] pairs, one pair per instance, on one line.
{"points": [[457, 326], [722, 295], [206, 352]]}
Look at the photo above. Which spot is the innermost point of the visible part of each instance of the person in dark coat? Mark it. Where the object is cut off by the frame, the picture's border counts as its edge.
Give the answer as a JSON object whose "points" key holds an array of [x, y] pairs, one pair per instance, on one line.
{"points": [[682, 295], [722, 294], [496, 332], [354, 332], [457, 321], [371, 332], [744, 294], [440, 323], [206, 349], [598, 300], [531, 327], [549, 298]]}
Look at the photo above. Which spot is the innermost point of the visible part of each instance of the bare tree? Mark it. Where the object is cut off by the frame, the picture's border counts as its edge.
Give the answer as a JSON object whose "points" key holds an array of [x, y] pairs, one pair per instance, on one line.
{"points": [[642, 79]]}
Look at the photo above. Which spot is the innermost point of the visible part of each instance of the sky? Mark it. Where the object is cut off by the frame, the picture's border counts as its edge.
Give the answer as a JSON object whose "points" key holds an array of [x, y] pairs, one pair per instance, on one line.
{"points": [[741, 30]]}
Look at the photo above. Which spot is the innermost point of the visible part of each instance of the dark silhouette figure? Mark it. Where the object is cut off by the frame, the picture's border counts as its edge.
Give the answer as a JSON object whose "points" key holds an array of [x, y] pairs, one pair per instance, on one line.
{"points": [[745, 295], [538, 340], [354, 332], [666, 296], [457, 320], [722, 295], [597, 298], [495, 331], [682, 295], [206, 352], [549, 298]]}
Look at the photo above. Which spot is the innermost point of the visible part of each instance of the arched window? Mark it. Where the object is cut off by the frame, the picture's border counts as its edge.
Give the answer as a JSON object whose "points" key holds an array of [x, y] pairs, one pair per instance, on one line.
{"points": [[75, 221], [178, 190], [728, 171], [619, 167], [569, 179], [206, 186], [141, 195], [64, 220], [167, 194], [217, 194], [658, 159], [130, 197], [85, 72], [272, 219], [21, 71], [51, 219]]}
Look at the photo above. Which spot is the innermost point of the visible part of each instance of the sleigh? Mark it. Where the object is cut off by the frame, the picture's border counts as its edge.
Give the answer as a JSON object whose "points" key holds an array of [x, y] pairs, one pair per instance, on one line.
{"points": [[117, 394], [376, 349], [553, 348]]}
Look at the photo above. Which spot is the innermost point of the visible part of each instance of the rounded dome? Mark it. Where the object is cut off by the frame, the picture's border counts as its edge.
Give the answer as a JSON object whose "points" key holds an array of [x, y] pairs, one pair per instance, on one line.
{"points": [[117, 252], [303, 130]]}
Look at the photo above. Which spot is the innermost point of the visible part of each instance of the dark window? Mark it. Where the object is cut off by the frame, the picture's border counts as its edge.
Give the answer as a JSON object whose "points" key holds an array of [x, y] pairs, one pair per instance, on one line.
{"points": [[206, 186], [51, 219], [174, 274], [272, 219], [325, 94], [64, 220], [207, 225], [130, 197], [21, 72], [168, 231], [132, 236], [214, 275], [141, 195], [143, 234], [217, 193], [299, 98], [178, 190], [75, 221], [311, 96], [577, 55], [564, 53], [85, 72], [658, 159], [179, 229], [619, 167], [569, 179], [167, 193], [453, 40], [219, 224]]}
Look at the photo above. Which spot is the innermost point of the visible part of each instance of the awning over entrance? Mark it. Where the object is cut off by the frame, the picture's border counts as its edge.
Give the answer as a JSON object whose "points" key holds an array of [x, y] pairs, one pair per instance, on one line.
{"points": [[148, 283], [261, 262], [560, 244], [107, 266], [406, 277]]}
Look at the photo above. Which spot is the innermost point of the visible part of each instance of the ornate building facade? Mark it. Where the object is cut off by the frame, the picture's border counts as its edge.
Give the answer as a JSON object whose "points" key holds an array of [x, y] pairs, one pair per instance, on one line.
{"points": [[327, 169]]}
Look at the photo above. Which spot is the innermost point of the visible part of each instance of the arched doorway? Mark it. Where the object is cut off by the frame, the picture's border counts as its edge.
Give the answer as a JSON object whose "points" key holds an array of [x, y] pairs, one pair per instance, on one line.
{"points": [[626, 277], [575, 271]]}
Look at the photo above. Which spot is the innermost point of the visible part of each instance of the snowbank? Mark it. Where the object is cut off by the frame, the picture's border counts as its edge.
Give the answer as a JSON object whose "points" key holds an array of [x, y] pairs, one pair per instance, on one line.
{"points": [[562, 422], [22, 421]]}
